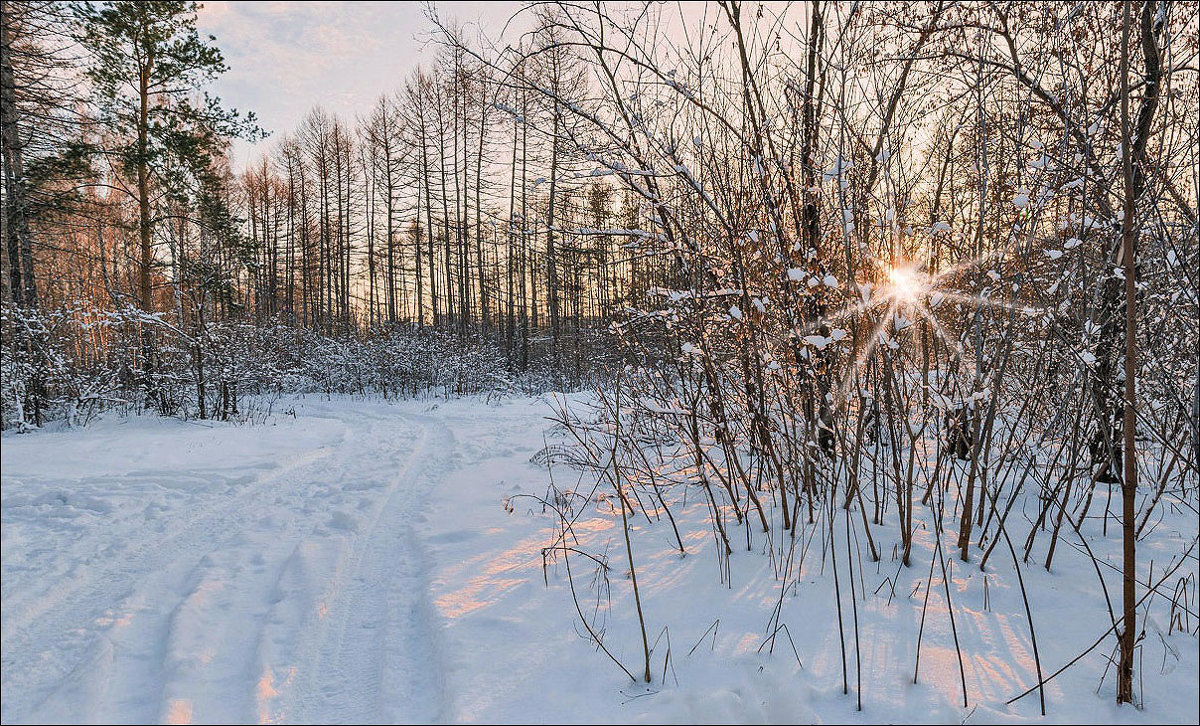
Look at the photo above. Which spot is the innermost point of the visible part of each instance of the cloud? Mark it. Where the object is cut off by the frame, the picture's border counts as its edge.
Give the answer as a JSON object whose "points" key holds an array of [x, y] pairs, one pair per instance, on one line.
{"points": [[286, 57]]}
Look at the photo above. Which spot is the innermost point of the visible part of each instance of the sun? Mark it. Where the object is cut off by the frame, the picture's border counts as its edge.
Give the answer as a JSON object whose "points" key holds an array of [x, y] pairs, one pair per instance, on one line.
{"points": [[905, 283]]}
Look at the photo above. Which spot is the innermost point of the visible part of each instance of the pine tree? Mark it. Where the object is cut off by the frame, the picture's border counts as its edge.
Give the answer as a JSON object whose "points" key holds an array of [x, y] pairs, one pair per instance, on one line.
{"points": [[148, 67]]}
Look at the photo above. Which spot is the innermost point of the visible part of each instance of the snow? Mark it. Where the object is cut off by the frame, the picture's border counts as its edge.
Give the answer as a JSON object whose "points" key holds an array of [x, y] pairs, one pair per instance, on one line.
{"points": [[839, 167], [864, 290], [371, 561]]}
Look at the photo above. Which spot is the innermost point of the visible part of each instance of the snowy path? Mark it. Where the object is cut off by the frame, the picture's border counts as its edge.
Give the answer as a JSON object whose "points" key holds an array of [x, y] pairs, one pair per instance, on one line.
{"points": [[238, 579]]}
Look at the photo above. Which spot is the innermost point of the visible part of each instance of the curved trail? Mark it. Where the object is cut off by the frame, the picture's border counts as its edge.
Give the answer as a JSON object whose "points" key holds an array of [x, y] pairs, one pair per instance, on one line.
{"points": [[294, 592]]}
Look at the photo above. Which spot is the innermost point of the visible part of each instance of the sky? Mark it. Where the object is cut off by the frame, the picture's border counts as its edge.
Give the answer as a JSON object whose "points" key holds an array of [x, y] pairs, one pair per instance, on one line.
{"points": [[286, 57]]}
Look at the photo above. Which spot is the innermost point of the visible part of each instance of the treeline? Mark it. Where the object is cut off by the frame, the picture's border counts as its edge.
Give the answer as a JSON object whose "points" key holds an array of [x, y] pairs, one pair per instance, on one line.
{"points": [[444, 207], [455, 205]]}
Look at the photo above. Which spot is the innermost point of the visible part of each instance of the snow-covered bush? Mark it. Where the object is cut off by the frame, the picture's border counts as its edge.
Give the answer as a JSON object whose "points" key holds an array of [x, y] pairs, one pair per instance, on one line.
{"points": [[71, 362]]}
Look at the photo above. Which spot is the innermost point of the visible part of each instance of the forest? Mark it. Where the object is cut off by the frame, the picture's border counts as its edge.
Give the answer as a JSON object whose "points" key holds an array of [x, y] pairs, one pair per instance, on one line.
{"points": [[891, 293]]}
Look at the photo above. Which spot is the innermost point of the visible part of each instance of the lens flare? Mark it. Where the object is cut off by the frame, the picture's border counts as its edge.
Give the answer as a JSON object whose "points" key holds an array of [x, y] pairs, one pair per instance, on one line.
{"points": [[906, 284]]}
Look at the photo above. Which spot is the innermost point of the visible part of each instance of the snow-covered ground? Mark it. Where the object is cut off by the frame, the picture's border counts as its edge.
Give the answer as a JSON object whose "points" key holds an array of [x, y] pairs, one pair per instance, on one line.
{"points": [[356, 562]]}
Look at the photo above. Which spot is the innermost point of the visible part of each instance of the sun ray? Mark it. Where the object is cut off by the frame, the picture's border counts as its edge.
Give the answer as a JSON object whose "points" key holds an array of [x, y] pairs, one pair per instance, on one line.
{"points": [[941, 332], [968, 263], [846, 310], [990, 303], [867, 350]]}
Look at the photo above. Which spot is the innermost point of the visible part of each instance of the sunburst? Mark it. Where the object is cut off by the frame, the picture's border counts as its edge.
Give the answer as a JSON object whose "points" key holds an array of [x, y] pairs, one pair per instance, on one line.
{"points": [[907, 285], [898, 296]]}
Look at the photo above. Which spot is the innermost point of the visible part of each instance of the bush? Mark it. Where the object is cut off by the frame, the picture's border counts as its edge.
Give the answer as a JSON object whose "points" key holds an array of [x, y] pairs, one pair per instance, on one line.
{"points": [[68, 363]]}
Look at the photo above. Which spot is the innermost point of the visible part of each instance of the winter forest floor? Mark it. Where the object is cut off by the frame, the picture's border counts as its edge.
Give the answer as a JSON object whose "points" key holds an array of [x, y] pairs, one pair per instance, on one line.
{"points": [[356, 562]]}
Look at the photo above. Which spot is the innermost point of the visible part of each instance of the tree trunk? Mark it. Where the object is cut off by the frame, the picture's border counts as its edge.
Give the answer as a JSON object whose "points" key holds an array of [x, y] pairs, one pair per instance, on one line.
{"points": [[1128, 632], [17, 237]]}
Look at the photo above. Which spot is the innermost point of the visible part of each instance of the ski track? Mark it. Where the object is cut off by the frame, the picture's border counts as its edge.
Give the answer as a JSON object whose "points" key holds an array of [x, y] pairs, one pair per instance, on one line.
{"points": [[301, 597]]}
